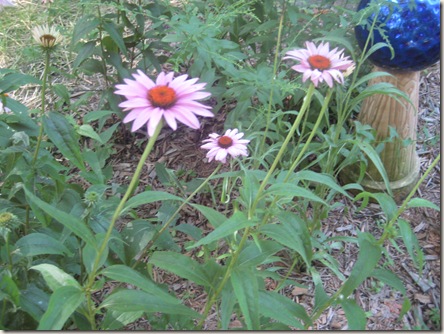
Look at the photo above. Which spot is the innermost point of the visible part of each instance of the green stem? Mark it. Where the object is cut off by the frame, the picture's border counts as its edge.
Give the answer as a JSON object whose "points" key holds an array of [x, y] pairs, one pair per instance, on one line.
{"points": [[290, 135], [312, 134], [43, 95], [402, 208], [225, 278], [270, 99], [165, 226], [117, 212]]}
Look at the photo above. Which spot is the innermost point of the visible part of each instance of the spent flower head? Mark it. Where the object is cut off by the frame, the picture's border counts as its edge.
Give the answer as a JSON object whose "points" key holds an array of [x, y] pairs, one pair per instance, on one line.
{"points": [[168, 98], [320, 63], [228, 144], [47, 36]]}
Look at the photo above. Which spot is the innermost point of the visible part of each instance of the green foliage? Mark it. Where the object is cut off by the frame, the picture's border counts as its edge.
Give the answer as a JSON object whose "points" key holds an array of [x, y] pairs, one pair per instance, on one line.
{"points": [[69, 232]]}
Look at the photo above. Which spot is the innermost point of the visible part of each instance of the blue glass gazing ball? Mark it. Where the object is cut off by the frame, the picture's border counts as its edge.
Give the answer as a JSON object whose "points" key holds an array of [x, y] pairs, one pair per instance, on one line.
{"points": [[412, 28]]}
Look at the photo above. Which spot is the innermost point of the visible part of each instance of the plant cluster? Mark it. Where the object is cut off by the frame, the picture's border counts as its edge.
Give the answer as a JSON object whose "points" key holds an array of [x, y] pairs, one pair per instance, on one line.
{"points": [[288, 78]]}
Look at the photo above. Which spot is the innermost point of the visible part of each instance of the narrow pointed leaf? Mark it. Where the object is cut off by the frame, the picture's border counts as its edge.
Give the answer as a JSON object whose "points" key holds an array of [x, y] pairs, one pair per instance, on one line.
{"points": [[73, 223], [62, 304], [355, 315], [38, 243], [64, 137], [55, 277], [245, 286]]}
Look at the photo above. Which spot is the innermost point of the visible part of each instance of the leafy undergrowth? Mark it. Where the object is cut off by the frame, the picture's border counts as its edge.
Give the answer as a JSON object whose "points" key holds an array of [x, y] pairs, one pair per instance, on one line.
{"points": [[103, 227]]}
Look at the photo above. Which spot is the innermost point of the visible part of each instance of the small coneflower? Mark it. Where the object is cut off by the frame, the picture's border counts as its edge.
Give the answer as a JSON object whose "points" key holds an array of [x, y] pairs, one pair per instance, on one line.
{"points": [[320, 64], [47, 37], [171, 99], [229, 144]]}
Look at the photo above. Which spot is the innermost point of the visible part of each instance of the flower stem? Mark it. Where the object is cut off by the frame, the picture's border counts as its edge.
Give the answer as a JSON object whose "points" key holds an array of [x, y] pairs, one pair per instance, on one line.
{"points": [[119, 209], [165, 226], [225, 278], [305, 105]]}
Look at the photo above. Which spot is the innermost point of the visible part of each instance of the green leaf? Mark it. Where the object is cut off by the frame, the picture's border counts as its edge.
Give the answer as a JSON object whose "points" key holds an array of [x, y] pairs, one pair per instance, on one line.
{"points": [[412, 244], [55, 277], [355, 315], [291, 232], [282, 309], [291, 190], [83, 26], [89, 254], [142, 301], [387, 203], [235, 223], [374, 157], [182, 266], [368, 257], [87, 130], [128, 275], [64, 137], [9, 288], [252, 255], [215, 218], [73, 223], [321, 178], [13, 81], [111, 29], [85, 52], [149, 196], [62, 304], [422, 203], [34, 301], [389, 278], [245, 286], [38, 243], [115, 320]]}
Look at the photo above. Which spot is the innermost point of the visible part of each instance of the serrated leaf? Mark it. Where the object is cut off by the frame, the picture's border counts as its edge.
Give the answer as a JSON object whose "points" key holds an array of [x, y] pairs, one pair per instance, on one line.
{"points": [[62, 304], [282, 309], [128, 275], [356, 317], [245, 286], [71, 222], [368, 257], [235, 223], [63, 136], [55, 277], [38, 243], [182, 266], [136, 301]]}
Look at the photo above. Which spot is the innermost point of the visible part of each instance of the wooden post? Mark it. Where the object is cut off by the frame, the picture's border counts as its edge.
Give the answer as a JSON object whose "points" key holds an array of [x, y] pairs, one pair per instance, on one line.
{"points": [[382, 111]]}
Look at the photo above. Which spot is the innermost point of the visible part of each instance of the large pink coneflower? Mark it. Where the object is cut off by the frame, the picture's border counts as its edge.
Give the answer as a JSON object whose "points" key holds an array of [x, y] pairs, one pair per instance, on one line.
{"points": [[168, 98], [229, 144], [320, 64]]}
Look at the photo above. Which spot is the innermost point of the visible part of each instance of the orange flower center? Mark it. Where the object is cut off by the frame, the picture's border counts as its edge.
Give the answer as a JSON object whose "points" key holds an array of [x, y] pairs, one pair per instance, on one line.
{"points": [[225, 142], [319, 62], [162, 96]]}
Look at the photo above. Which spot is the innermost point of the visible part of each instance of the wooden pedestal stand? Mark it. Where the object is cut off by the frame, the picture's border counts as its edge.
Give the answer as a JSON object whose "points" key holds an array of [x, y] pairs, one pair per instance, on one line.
{"points": [[381, 111]]}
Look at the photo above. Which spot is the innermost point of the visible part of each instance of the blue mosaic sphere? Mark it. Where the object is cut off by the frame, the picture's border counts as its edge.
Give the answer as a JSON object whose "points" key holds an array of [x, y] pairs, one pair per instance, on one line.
{"points": [[413, 29]]}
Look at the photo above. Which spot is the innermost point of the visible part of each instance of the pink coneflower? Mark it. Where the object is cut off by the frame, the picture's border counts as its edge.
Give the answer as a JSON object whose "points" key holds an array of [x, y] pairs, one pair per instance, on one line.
{"points": [[228, 144], [168, 98], [320, 64]]}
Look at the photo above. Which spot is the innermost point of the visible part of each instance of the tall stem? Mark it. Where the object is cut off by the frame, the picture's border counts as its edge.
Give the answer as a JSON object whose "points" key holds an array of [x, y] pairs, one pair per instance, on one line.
{"points": [[305, 105], [118, 211]]}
